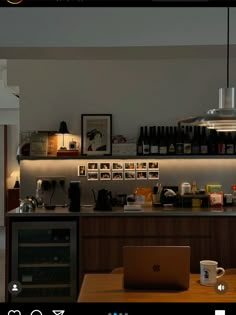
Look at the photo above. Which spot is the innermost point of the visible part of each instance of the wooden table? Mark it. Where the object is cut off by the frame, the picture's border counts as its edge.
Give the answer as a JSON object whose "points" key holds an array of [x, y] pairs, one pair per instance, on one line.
{"points": [[108, 288]]}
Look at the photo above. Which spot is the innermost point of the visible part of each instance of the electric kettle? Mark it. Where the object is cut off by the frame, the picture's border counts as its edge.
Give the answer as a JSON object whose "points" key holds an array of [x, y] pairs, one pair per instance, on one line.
{"points": [[28, 204], [103, 200]]}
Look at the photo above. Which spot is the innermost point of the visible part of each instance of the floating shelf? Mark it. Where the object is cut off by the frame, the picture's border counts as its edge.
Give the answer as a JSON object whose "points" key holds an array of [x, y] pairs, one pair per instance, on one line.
{"points": [[128, 157]]}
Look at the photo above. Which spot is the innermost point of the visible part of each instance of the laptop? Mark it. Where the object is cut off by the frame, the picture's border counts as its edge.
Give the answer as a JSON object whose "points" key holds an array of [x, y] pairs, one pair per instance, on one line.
{"points": [[156, 267]]}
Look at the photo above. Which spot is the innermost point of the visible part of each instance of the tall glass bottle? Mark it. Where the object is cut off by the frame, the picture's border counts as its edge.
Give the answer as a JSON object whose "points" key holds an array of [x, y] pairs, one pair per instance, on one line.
{"points": [[140, 142], [221, 142], [153, 142], [146, 144], [187, 141], [203, 142], [163, 142], [196, 140], [229, 148], [171, 143], [212, 142], [179, 146]]}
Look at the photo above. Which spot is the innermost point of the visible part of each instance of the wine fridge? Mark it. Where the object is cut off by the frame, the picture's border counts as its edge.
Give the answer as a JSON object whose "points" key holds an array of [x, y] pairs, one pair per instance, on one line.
{"points": [[44, 261]]}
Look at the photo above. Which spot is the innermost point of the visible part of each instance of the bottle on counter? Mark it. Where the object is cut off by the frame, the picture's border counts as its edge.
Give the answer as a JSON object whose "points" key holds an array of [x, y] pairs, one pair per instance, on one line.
{"points": [[233, 194], [39, 193], [194, 187]]}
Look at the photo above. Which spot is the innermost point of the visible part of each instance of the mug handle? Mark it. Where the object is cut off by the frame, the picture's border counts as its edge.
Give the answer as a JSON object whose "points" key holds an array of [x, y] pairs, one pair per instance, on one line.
{"points": [[222, 272]]}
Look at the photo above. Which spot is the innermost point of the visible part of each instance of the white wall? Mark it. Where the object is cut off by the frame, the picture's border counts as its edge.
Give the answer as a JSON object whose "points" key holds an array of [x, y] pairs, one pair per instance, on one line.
{"points": [[136, 92], [102, 27], [139, 91]]}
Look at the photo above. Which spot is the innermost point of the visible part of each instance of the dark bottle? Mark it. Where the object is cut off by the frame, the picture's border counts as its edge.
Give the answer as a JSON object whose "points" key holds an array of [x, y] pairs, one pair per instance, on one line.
{"points": [[212, 142], [146, 144], [203, 142], [187, 141], [221, 142], [140, 142], [163, 141], [159, 137], [179, 146], [234, 139], [153, 142], [229, 147], [171, 143], [196, 140]]}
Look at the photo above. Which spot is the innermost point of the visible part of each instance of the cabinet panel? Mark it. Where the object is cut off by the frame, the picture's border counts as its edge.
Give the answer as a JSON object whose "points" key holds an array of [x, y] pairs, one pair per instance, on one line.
{"points": [[224, 242], [148, 226], [102, 238], [43, 260]]}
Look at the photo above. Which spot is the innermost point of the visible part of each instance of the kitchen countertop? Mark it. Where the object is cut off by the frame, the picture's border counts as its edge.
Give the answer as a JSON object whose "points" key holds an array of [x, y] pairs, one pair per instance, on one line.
{"points": [[118, 211]]}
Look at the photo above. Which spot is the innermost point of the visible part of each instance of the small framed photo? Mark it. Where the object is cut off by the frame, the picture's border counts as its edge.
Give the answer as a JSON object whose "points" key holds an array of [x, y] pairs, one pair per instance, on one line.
{"points": [[96, 134], [82, 170], [105, 166], [105, 175], [72, 145], [92, 176], [141, 175], [93, 166], [141, 166], [117, 166], [130, 166], [129, 175], [117, 175], [153, 175], [153, 165]]}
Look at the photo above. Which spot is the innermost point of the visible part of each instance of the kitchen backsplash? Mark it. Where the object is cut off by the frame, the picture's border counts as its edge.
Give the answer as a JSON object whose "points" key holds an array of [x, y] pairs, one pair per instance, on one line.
{"points": [[123, 176]]}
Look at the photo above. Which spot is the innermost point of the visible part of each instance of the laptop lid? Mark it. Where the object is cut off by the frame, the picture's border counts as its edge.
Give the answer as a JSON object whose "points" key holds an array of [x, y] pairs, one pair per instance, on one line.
{"points": [[156, 267]]}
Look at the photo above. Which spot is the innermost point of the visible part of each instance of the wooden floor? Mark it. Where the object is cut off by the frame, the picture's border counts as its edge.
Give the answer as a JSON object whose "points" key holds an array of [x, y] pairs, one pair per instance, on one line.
{"points": [[2, 264]]}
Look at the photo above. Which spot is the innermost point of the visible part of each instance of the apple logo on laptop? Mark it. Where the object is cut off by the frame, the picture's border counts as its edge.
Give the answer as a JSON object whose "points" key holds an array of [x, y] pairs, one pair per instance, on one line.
{"points": [[156, 267]]}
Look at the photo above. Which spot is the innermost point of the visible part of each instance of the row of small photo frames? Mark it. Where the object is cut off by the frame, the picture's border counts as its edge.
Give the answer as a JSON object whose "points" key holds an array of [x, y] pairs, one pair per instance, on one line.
{"points": [[119, 170]]}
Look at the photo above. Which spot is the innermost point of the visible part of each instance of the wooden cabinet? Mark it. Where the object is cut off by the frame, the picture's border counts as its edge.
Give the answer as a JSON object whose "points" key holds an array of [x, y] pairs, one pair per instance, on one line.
{"points": [[102, 238], [13, 196]]}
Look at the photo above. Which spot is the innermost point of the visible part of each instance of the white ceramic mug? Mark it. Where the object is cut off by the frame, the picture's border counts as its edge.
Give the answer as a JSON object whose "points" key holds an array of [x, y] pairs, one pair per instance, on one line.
{"points": [[210, 272]]}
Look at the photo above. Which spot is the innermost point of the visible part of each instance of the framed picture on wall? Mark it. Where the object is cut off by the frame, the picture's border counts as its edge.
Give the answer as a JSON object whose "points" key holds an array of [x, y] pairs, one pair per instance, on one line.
{"points": [[92, 176], [117, 175], [96, 134], [105, 175], [153, 174], [141, 175], [105, 166], [82, 170]]}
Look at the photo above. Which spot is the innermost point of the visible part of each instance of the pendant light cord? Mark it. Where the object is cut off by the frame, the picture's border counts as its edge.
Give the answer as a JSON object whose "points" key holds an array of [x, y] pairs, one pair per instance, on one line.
{"points": [[227, 47]]}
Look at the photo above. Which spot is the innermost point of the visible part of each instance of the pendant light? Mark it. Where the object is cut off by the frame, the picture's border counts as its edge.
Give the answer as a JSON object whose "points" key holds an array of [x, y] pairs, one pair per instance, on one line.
{"points": [[224, 118]]}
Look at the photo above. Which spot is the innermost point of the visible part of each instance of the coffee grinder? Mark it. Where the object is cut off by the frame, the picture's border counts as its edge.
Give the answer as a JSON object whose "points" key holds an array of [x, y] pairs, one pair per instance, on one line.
{"points": [[74, 196]]}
